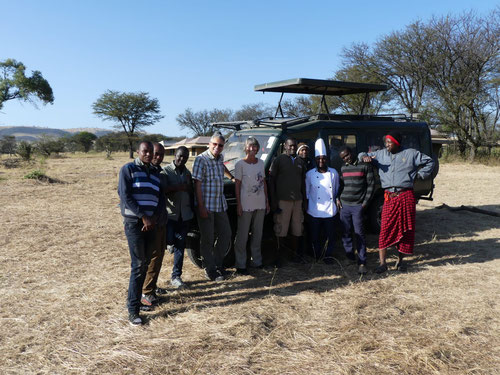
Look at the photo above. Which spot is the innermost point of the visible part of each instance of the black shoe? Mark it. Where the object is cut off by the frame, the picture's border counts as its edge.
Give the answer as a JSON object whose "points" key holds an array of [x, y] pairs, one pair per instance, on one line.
{"points": [[277, 263], [381, 269], [362, 270], [161, 291], [135, 320], [401, 266], [242, 271]]}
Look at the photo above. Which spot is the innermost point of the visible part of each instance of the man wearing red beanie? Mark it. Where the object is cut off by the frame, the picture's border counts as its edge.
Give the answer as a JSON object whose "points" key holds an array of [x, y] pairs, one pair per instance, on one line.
{"points": [[398, 168]]}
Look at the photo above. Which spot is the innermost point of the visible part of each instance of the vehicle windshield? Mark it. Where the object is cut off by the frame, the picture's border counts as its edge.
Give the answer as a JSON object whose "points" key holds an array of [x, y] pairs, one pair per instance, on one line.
{"points": [[234, 149]]}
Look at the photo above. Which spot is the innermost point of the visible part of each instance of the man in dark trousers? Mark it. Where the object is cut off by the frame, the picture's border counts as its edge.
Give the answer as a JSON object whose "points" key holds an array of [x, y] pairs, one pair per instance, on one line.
{"points": [[356, 189], [179, 208], [398, 167], [141, 200], [287, 190], [150, 289]]}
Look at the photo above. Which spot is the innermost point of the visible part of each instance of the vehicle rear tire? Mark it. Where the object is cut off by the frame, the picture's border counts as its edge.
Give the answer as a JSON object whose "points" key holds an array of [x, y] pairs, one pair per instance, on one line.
{"points": [[193, 250]]}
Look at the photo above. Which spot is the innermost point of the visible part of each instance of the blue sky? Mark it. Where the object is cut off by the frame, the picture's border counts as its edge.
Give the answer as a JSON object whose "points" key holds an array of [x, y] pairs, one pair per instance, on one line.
{"points": [[198, 54]]}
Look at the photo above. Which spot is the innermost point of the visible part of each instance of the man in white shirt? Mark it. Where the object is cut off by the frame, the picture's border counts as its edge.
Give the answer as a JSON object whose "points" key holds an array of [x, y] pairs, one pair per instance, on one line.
{"points": [[322, 186]]}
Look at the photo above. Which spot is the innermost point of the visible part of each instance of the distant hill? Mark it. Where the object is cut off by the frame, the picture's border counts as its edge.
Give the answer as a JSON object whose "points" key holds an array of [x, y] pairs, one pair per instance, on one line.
{"points": [[32, 133]]}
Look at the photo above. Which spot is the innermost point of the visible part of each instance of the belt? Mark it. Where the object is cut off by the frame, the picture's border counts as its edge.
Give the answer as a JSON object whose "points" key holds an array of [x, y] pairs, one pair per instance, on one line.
{"points": [[388, 194]]}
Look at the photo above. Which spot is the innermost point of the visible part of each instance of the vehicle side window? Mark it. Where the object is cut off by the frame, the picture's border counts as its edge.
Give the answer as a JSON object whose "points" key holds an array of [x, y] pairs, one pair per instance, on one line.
{"points": [[335, 144]]}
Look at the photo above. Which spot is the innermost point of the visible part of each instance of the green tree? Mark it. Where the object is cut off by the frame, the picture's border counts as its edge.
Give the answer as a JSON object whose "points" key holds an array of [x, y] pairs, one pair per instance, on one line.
{"points": [[24, 150], [14, 84], [130, 111], [8, 144], [113, 142], [48, 145], [83, 140]]}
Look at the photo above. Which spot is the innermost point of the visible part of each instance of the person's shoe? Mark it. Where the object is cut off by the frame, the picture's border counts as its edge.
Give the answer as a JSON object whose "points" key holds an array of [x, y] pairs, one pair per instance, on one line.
{"points": [[214, 276], [362, 270], [135, 320], [170, 249], [177, 282], [381, 269], [161, 291], [221, 275], [401, 266], [277, 263], [149, 299], [242, 271], [146, 308]]}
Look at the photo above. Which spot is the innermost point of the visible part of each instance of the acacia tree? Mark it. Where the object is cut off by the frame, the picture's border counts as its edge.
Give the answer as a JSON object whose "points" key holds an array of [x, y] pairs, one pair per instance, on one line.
{"points": [[130, 111], [14, 84]]}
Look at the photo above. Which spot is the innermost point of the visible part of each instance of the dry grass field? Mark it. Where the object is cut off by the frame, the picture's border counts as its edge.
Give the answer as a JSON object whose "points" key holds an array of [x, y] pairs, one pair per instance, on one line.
{"points": [[64, 268]]}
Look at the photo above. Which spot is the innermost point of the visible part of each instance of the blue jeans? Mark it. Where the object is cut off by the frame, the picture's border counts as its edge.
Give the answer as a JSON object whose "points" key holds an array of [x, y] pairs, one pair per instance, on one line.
{"points": [[352, 217], [176, 237], [141, 245], [317, 225]]}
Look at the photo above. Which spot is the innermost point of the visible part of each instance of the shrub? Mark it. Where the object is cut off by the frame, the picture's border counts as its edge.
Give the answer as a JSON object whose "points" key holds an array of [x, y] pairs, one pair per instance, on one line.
{"points": [[37, 174], [25, 150]]}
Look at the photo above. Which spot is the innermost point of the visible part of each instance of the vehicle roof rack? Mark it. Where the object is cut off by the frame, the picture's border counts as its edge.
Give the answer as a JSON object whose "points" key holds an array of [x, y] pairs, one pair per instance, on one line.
{"points": [[321, 87]]}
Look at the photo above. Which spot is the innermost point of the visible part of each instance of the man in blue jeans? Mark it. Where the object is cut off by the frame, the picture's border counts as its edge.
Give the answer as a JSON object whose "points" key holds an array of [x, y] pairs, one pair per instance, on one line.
{"points": [[356, 188], [179, 209], [141, 200]]}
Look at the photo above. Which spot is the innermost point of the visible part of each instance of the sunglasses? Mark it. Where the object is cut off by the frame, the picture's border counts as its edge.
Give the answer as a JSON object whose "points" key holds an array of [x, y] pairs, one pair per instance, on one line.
{"points": [[215, 144]]}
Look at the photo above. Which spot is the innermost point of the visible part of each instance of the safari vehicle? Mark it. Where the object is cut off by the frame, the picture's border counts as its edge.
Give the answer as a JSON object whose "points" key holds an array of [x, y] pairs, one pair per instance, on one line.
{"points": [[360, 132]]}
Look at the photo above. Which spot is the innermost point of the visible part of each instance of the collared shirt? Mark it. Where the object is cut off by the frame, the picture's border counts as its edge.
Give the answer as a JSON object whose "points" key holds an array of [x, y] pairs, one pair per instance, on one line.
{"points": [[210, 171], [178, 202], [321, 191], [288, 173], [400, 169]]}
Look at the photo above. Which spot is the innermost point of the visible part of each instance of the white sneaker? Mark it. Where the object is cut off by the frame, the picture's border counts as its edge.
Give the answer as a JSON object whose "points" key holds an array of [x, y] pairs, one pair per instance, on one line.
{"points": [[177, 282]]}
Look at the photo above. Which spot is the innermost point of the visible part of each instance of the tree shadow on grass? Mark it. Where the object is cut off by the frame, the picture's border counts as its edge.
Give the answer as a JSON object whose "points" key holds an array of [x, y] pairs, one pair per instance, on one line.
{"points": [[443, 237]]}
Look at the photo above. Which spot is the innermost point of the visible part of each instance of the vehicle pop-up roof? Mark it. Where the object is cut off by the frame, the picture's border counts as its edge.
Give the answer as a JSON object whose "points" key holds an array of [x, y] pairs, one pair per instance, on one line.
{"points": [[306, 86], [321, 87]]}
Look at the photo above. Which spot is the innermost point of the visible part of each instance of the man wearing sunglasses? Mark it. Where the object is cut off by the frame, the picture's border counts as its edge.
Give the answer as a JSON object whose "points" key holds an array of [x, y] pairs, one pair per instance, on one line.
{"points": [[211, 206]]}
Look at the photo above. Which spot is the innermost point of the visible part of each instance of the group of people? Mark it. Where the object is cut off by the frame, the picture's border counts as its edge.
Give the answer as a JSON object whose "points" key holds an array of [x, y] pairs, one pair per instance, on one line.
{"points": [[157, 204]]}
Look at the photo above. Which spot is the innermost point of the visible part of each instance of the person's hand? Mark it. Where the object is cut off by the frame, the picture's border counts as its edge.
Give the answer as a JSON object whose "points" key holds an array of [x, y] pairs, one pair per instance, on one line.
{"points": [[148, 223], [268, 208], [239, 210], [203, 212], [339, 205], [363, 207], [368, 159]]}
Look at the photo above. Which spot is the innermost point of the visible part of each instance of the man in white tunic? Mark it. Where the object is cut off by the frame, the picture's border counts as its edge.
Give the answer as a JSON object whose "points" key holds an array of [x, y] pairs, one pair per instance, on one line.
{"points": [[322, 186]]}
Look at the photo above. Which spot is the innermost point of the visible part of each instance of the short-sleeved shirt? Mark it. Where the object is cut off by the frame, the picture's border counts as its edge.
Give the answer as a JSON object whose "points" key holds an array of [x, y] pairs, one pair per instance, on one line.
{"points": [[252, 195], [210, 172], [288, 174], [178, 202]]}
